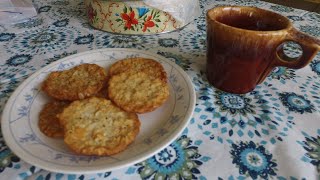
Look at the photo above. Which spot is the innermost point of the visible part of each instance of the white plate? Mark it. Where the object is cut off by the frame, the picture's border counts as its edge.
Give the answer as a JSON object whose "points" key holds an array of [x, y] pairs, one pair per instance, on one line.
{"points": [[158, 128]]}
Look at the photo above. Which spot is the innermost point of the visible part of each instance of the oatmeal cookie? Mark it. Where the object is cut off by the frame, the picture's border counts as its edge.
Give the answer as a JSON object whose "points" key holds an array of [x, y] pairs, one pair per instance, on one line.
{"points": [[149, 66], [95, 126], [79, 82], [48, 121], [137, 91]]}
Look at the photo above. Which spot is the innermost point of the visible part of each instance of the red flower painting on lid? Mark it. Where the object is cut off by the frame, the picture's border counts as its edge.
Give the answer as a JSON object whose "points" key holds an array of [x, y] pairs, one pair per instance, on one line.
{"points": [[129, 18], [148, 24]]}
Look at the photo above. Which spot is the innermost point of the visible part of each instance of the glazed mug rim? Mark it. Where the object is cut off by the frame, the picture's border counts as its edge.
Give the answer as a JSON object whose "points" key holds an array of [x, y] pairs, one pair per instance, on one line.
{"points": [[211, 18]]}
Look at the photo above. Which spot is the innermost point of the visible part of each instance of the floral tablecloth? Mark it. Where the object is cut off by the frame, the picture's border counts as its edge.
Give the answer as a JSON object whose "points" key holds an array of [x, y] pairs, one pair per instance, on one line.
{"points": [[272, 132]]}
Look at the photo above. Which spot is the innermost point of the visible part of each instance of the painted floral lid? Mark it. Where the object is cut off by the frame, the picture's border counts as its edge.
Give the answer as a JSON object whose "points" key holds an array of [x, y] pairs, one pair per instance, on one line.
{"points": [[130, 17]]}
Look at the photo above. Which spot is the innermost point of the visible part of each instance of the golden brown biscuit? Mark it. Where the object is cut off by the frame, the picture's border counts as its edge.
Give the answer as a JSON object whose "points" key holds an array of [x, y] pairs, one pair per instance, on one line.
{"points": [[137, 91], [149, 66], [76, 83], [48, 121], [95, 126]]}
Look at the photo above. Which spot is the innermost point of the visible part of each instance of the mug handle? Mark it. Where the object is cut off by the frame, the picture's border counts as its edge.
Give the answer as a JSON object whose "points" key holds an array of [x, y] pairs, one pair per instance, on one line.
{"points": [[310, 46]]}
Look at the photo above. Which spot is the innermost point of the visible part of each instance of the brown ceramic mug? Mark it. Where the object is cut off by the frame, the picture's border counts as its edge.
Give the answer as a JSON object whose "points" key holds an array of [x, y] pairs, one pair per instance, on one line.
{"points": [[244, 44]]}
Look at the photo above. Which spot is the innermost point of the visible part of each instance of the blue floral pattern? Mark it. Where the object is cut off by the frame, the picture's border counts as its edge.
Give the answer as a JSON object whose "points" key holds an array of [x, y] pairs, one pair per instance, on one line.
{"points": [[61, 23], [253, 160], [19, 59], [201, 23], [168, 42], [84, 39], [125, 41], [192, 42], [312, 86], [180, 160], [296, 18], [283, 74], [71, 11], [312, 30], [315, 66], [7, 158], [296, 103], [42, 41], [240, 116], [312, 16], [6, 36], [311, 145], [10, 72], [34, 22], [247, 3], [60, 3], [44, 9], [281, 8], [7, 89], [292, 49]]}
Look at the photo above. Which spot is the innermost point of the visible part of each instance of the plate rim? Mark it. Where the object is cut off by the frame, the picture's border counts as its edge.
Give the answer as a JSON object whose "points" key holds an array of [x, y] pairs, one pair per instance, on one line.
{"points": [[13, 146]]}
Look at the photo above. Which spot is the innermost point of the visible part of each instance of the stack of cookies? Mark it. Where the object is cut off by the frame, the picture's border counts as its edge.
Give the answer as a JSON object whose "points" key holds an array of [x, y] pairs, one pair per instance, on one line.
{"points": [[95, 112]]}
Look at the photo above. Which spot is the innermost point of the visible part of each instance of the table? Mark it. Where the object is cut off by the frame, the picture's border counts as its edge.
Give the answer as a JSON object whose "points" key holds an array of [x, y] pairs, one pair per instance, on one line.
{"points": [[272, 132]]}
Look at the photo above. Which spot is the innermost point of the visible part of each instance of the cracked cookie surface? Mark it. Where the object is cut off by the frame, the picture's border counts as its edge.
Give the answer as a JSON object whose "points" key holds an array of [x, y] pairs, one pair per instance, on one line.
{"points": [[79, 82], [95, 126], [138, 64], [137, 91]]}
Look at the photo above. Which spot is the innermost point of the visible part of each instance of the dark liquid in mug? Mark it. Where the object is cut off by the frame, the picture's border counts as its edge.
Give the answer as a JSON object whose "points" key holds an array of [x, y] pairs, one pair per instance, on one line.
{"points": [[251, 22]]}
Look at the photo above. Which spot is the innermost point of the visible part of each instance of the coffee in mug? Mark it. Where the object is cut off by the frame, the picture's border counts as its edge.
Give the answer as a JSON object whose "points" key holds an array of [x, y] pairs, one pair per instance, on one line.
{"points": [[244, 44]]}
